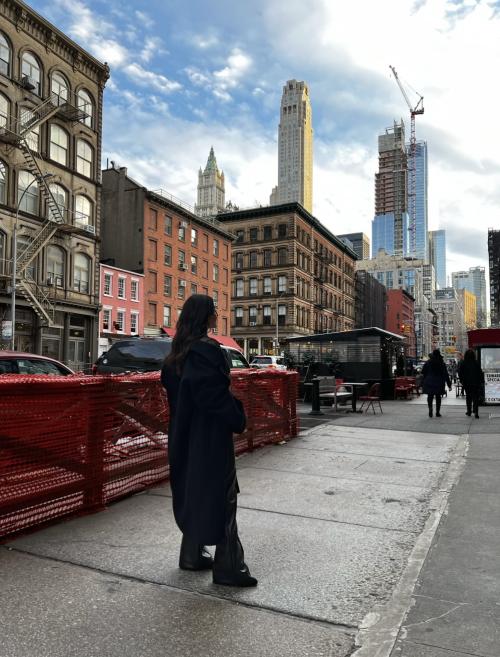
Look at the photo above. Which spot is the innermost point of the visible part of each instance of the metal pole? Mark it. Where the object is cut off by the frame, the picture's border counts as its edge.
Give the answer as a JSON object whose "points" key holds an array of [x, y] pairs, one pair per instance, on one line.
{"points": [[277, 325]]}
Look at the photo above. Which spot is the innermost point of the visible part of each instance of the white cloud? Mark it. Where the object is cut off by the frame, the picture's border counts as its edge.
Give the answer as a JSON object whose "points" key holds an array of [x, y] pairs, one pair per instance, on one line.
{"points": [[153, 46], [146, 78], [146, 20], [204, 42]]}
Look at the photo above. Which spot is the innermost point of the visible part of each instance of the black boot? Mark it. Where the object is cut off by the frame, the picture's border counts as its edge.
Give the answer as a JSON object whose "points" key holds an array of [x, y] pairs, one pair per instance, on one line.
{"points": [[229, 567], [429, 404], [438, 406], [194, 556]]}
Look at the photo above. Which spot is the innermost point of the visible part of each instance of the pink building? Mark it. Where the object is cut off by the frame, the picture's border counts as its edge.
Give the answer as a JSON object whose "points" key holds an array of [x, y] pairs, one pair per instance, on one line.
{"points": [[121, 295]]}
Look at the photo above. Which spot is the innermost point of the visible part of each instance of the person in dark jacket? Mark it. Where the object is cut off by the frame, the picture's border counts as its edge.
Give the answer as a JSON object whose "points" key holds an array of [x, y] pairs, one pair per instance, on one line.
{"points": [[204, 414], [435, 377], [472, 379]]}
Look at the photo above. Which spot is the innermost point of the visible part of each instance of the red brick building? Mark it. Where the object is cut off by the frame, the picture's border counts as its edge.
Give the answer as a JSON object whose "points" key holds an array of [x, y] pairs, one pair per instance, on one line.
{"points": [[178, 252], [400, 318]]}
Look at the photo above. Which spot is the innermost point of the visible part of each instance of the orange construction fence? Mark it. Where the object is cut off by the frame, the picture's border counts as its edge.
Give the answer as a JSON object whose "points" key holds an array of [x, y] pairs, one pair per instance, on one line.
{"points": [[71, 445]]}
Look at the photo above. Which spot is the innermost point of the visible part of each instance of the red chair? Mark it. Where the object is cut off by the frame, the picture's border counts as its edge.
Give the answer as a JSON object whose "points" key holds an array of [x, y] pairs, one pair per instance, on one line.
{"points": [[371, 398]]}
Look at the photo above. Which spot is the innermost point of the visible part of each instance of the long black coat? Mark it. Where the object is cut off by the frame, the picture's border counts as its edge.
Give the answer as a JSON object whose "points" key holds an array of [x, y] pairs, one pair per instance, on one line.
{"points": [[435, 377], [204, 415], [471, 375]]}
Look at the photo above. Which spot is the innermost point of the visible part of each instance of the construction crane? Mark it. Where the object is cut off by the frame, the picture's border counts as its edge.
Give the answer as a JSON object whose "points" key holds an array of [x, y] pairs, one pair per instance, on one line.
{"points": [[412, 164]]}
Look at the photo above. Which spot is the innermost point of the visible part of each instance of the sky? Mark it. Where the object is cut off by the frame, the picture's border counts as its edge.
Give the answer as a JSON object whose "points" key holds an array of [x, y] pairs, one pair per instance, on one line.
{"points": [[186, 76]]}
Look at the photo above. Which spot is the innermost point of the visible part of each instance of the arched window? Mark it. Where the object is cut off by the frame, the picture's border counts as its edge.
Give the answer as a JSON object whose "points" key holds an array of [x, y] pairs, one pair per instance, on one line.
{"points": [[3, 182], [4, 55], [59, 86], [31, 73], [23, 242], [27, 192], [83, 211], [55, 266], [84, 158], [81, 274], [59, 144], [61, 198], [85, 103], [4, 110]]}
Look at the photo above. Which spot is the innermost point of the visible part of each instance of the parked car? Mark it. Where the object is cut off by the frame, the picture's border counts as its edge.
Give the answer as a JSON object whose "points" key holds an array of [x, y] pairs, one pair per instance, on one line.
{"points": [[275, 362], [16, 362], [147, 355]]}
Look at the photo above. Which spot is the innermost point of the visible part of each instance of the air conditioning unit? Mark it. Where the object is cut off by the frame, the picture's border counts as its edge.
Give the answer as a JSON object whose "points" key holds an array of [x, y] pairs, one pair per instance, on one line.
{"points": [[252, 323], [182, 283], [28, 83], [183, 267], [89, 228], [183, 224], [50, 280]]}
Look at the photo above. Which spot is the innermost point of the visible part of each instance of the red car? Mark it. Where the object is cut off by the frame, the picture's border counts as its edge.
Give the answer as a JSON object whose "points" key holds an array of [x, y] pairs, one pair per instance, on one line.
{"points": [[16, 362]]}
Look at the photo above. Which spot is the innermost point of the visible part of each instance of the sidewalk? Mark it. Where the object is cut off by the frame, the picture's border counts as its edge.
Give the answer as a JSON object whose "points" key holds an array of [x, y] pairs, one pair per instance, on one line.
{"points": [[336, 525]]}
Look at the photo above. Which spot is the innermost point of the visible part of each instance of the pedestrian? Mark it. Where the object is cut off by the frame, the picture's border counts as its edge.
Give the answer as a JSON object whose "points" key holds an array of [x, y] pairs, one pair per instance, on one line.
{"points": [[204, 414], [472, 379], [435, 377]]}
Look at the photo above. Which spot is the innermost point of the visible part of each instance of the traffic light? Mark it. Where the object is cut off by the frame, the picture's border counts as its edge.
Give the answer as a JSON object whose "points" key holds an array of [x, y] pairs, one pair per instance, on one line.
{"points": [[403, 328]]}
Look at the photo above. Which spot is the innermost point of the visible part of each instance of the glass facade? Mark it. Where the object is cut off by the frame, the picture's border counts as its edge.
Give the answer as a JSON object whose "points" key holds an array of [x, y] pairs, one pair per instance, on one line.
{"points": [[420, 248], [437, 255], [383, 233]]}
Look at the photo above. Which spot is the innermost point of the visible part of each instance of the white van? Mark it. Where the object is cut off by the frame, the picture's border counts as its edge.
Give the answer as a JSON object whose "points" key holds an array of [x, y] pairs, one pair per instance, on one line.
{"points": [[274, 362]]}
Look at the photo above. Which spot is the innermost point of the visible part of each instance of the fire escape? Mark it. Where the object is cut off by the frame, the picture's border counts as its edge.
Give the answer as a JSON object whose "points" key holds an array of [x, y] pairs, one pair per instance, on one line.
{"points": [[16, 133]]}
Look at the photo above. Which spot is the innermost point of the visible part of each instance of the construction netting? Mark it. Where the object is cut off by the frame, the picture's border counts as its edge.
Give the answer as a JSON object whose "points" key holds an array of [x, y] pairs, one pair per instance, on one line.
{"points": [[70, 445]]}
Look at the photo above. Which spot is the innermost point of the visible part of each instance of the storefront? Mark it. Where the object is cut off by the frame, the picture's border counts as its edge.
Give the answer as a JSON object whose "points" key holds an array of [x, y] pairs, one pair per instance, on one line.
{"points": [[486, 344]]}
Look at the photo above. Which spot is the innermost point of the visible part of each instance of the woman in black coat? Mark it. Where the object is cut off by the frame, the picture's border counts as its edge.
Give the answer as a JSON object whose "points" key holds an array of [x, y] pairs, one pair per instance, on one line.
{"points": [[435, 377], [472, 379], [204, 414]]}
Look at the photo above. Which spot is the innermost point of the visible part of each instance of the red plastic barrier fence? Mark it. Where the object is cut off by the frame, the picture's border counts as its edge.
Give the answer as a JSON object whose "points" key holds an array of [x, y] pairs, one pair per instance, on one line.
{"points": [[70, 445]]}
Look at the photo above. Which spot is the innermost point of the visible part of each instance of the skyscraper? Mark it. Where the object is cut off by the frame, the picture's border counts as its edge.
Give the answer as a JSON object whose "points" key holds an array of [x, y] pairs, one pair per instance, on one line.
{"points": [[474, 281], [211, 193], [494, 256], [360, 244], [437, 255], [389, 228], [419, 246], [295, 147]]}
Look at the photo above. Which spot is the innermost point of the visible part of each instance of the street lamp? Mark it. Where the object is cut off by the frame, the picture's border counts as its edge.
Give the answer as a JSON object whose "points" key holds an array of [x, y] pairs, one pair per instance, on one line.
{"points": [[14, 263]]}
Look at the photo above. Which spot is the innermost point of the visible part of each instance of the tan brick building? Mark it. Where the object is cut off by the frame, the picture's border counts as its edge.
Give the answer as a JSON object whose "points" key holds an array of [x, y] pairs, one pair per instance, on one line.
{"points": [[291, 277], [178, 252], [50, 125]]}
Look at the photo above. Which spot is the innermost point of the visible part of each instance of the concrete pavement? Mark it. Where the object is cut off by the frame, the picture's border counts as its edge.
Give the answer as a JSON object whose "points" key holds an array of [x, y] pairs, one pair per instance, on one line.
{"points": [[336, 524]]}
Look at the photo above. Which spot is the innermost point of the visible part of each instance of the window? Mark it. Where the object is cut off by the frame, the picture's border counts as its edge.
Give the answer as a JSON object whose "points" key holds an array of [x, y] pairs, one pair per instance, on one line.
{"points": [[194, 288], [226, 251], [252, 315], [281, 315], [133, 322], [238, 316], [121, 287], [224, 301], [120, 321], [86, 106], [4, 55], [253, 286], [216, 273], [254, 234], [267, 285], [205, 269], [181, 291], [167, 285], [282, 281], [108, 285], [81, 276], [224, 326], [182, 259], [268, 232], [59, 87], [84, 162], [106, 319], [194, 237], [215, 297], [152, 314], [194, 265], [282, 230], [240, 235], [182, 232], [254, 259], [83, 211], [23, 243], [3, 182], [167, 225], [61, 198], [33, 139], [225, 276], [153, 281], [239, 261], [167, 255], [167, 316], [267, 315], [55, 266], [282, 256], [59, 140], [268, 258], [4, 110], [239, 287], [27, 192], [205, 242], [216, 248], [30, 68]]}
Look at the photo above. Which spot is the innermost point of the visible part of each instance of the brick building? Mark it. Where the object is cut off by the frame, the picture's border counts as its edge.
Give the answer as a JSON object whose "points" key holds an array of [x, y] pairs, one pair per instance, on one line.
{"points": [[400, 318], [50, 151], [178, 252], [291, 277]]}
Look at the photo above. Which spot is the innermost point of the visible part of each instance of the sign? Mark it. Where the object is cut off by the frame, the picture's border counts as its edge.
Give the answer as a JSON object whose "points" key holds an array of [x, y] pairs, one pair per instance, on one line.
{"points": [[492, 387], [6, 329]]}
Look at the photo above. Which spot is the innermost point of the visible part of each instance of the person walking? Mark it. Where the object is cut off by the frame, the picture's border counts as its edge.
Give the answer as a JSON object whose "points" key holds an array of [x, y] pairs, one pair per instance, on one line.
{"points": [[472, 379], [204, 414], [435, 378]]}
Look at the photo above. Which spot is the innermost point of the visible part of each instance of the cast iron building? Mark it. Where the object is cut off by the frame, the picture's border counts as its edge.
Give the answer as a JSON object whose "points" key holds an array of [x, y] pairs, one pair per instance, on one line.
{"points": [[360, 244], [494, 261], [370, 301], [50, 123], [291, 277]]}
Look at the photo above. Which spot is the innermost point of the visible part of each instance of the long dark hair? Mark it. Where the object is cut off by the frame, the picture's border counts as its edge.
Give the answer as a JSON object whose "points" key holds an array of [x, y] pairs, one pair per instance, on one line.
{"points": [[469, 356], [436, 361], [191, 326]]}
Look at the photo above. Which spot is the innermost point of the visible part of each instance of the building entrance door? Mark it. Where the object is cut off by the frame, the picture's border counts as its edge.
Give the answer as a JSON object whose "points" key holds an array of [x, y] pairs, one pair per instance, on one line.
{"points": [[76, 353]]}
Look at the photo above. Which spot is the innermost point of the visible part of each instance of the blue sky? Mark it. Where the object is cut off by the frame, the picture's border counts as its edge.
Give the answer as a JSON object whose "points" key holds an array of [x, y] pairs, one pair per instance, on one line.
{"points": [[188, 75]]}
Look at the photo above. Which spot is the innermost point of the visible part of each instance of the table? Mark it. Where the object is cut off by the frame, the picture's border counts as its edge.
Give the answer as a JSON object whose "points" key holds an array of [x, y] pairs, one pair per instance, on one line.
{"points": [[354, 387]]}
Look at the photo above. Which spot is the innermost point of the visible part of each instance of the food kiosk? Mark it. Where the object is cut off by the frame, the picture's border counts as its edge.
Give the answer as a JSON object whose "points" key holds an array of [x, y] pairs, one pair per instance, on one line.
{"points": [[486, 344]]}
